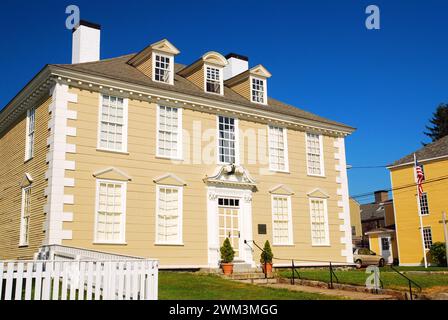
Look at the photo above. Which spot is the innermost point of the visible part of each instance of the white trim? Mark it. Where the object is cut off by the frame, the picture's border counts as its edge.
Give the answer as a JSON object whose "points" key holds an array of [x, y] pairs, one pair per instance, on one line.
{"points": [[290, 224], [221, 80], [180, 199], [326, 226], [22, 242], [322, 159], [29, 155], [420, 161], [265, 88], [123, 185], [179, 154], [171, 57], [285, 148], [237, 140], [124, 144], [57, 164]]}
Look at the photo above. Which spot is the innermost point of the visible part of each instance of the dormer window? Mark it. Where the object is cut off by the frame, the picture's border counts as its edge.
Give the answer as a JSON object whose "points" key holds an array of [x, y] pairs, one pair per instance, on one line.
{"points": [[156, 61], [258, 90], [213, 80], [163, 68]]}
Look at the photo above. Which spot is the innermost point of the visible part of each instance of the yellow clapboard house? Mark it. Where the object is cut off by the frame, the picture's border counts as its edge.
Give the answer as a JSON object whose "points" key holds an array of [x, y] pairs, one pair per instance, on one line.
{"points": [[434, 159], [141, 156]]}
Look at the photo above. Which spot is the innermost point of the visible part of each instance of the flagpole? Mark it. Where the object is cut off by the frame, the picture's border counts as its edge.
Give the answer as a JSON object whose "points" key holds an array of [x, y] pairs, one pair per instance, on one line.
{"points": [[420, 213]]}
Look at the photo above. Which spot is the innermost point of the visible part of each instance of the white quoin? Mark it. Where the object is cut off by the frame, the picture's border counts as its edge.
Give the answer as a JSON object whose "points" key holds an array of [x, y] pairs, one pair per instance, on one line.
{"points": [[237, 64], [86, 42]]}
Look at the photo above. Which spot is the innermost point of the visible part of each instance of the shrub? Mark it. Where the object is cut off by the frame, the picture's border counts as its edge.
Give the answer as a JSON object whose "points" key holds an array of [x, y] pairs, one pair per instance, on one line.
{"points": [[438, 253], [267, 255], [227, 252]]}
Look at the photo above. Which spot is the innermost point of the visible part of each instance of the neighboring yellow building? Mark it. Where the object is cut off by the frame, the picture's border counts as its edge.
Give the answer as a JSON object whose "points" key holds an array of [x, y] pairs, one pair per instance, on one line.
{"points": [[141, 156], [355, 219], [434, 158]]}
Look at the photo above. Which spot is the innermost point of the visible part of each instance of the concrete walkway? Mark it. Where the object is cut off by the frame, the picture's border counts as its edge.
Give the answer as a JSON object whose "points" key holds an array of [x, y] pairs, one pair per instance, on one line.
{"points": [[329, 292]]}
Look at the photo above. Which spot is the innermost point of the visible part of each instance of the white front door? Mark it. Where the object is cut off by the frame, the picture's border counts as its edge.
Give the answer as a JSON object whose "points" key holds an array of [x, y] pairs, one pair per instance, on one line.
{"points": [[229, 223], [386, 249]]}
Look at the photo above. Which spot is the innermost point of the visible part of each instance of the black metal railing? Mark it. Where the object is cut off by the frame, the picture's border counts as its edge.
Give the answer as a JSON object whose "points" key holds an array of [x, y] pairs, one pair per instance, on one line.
{"points": [[410, 283], [295, 269]]}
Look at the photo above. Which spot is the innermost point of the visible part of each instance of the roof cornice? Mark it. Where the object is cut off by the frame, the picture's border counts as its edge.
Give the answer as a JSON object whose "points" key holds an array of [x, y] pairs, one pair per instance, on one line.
{"points": [[88, 80], [43, 80]]}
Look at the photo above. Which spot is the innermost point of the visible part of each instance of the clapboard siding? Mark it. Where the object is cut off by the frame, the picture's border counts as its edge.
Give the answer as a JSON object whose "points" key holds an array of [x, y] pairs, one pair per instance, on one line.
{"points": [[142, 165], [12, 171]]}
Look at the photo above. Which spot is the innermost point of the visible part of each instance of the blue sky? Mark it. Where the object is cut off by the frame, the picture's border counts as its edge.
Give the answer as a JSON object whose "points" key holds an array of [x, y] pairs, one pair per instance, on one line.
{"points": [[384, 82]]}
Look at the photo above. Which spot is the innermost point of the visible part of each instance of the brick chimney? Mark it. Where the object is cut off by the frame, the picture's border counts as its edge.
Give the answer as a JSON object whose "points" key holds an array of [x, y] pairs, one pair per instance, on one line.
{"points": [[381, 196]]}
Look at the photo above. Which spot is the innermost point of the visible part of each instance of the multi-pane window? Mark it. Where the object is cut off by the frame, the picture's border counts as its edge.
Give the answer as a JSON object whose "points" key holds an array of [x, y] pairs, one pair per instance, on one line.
{"points": [[424, 208], [30, 127], [258, 90], [385, 245], [25, 216], [277, 149], [427, 237], [169, 132], [281, 218], [169, 212], [113, 124], [314, 154], [319, 222], [110, 211], [213, 80], [162, 68], [227, 139]]}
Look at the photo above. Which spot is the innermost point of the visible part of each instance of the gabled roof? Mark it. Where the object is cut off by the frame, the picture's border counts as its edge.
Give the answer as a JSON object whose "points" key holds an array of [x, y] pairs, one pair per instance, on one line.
{"points": [[436, 149], [119, 69]]}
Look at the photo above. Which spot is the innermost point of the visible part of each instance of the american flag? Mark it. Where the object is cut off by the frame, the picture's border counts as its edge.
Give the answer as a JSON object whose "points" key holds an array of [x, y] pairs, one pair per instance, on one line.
{"points": [[420, 177]]}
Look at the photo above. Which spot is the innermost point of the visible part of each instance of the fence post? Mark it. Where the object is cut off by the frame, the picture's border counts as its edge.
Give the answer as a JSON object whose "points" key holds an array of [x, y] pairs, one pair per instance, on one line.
{"points": [[331, 276]]}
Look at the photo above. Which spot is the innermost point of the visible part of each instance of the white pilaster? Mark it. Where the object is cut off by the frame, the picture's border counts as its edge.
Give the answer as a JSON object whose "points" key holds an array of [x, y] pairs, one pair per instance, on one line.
{"points": [[57, 165]]}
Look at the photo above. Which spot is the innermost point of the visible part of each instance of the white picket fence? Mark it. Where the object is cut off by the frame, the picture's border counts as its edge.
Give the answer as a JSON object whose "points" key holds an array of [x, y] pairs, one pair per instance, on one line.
{"points": [[79, 280]]}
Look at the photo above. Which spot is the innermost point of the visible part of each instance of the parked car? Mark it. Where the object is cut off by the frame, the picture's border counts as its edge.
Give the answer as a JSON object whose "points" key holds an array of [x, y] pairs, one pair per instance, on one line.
{"points": [[364, 257]]}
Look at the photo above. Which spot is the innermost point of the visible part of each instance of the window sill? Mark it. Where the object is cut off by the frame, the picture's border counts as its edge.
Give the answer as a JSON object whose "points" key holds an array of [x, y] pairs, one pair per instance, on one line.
{"points": [[112, 151], [28, 160], [283, 245], [110, 243], [169, 158], [169, 244], [316, 175], [280, 171], [321, 245], [23, 245]]}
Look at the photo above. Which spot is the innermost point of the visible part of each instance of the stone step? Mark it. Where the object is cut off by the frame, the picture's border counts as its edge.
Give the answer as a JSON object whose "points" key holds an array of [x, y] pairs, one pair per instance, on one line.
{"points": [[248, 276]]}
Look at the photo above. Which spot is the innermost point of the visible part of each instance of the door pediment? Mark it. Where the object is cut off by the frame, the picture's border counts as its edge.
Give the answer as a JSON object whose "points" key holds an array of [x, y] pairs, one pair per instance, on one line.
{"points": [[232, 176]]}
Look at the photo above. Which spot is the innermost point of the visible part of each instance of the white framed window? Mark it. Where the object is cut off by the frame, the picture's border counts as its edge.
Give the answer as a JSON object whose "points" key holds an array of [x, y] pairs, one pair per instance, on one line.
{"points": [[258, 90], [113, 124], [281, 220], [227, 140], [427, 237], [169, 215], [169, 132], [315, 155], [278, 149], [320, 235], [30, 130], [424, 208], [25, 216], [163, 68], [213, 80], [110, 212]]}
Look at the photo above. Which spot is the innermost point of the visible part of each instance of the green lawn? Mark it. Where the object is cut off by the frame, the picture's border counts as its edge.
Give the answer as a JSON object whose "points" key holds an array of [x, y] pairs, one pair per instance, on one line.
{"points": [[190, 286], [391, 280]]}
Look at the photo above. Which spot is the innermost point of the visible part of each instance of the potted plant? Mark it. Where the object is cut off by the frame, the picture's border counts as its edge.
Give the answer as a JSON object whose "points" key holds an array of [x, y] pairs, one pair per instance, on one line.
{"points": [[266, 258], [227, 255]]}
